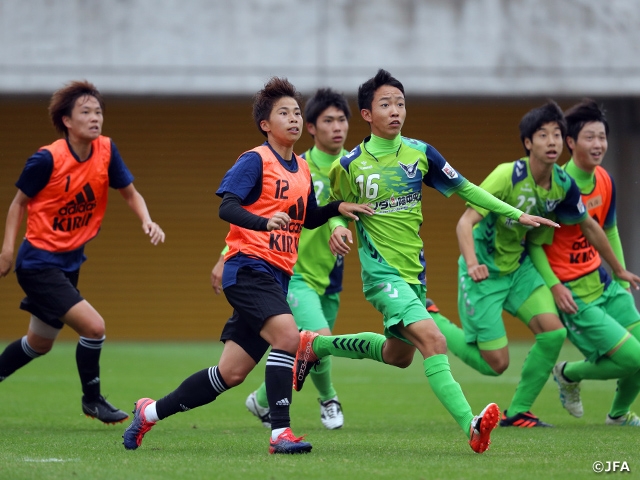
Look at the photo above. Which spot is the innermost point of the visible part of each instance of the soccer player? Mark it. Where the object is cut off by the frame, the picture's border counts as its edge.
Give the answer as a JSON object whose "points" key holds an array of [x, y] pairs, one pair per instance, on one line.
{"points": [[599, 313], [387, 171], [63, 189], [314, 290], [495, 273], [268, 197]]}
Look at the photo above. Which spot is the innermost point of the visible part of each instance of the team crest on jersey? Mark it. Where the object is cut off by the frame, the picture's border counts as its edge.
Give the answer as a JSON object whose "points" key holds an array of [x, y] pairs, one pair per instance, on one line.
{"points": [[552, 204], [410, 170], [581, 208], [449, 171]]}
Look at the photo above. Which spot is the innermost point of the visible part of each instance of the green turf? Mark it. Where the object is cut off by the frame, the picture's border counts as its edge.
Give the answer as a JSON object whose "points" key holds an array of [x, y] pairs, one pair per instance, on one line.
{"points": [[394, 426]]}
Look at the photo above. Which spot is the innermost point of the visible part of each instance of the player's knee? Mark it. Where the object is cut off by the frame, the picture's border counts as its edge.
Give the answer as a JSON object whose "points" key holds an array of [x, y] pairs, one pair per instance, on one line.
{"points": [[403, 362], [234, 378], [94, 331], [91, 327], [500, 368], [438, 342], [398, 360], [39, 345], [498, 364], [41, 336], [42, 348], [288, 342], [554, 337]]}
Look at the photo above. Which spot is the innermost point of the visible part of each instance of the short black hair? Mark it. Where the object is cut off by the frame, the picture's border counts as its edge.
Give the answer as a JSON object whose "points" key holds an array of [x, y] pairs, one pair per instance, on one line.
{"points": [[64, 99], [323, 99], [367, 90], [265, 99], [534, 119], [580, 114]]}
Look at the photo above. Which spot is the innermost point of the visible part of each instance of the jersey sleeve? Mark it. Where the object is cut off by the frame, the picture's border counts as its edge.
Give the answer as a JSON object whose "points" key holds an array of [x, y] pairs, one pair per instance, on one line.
{"points": [[481, 199], [341, 188], [119, 174], [610, 220], [616, 245], [242, 177], [312, 201], [36, 173], [541, 262], [440, 175], [571, 210], [497, 183]]}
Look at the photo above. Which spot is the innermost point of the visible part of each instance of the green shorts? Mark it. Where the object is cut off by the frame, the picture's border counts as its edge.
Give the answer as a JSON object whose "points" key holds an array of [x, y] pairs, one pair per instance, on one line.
{"points": [[311, 310], [399, 302], [480, 304], [601, 324]]}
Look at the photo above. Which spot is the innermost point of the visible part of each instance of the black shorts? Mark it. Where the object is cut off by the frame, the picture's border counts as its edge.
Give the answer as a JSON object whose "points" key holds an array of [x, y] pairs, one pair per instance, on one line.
{"points": [[255, 297], [50, 292]]}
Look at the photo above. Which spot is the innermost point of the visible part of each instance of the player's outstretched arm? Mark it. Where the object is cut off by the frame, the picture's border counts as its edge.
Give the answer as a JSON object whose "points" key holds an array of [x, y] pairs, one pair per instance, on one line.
{"points": [[478, 196], [535, 221]]}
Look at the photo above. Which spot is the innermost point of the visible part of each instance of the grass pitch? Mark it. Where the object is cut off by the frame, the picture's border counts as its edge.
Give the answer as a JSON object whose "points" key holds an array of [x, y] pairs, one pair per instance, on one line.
{"points": [[394, 426]]}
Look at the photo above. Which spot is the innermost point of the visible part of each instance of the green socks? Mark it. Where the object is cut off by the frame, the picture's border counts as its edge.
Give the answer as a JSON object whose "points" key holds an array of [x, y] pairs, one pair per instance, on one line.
{"points": [[468, 353], [626, 394], [261, 396], [622, 363], [321, 377], [357, 346], [536, 370], [628, 387], [448, 391]]}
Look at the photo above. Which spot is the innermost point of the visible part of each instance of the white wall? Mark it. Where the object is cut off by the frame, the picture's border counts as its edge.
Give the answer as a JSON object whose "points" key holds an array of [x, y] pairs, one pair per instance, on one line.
{"points": [[436, 47]]}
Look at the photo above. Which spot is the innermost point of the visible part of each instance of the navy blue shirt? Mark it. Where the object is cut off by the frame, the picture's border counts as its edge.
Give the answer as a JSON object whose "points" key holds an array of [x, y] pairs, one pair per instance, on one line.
{"points": [[33, 179]]}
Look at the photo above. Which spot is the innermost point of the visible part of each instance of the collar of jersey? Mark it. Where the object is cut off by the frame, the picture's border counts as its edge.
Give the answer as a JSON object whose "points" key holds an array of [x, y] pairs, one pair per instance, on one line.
{"points": [[322, 159], [379, 147]]}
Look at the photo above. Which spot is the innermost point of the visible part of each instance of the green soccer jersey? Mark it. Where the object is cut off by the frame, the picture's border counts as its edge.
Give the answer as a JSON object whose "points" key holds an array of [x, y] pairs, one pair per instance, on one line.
{"points": [[316, 265], [389, 241], [499, 241]]}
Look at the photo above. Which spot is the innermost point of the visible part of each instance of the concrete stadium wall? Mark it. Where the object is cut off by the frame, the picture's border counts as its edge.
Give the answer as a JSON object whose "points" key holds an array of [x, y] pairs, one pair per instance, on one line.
{"points": [[178, 149], [215, 47]]}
